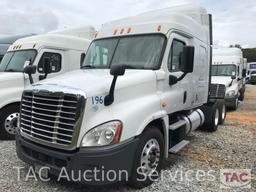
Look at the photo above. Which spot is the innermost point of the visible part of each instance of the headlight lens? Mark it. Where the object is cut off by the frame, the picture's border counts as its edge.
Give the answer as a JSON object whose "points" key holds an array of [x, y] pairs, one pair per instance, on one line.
{"points": [[105, 134], [231, 93]]}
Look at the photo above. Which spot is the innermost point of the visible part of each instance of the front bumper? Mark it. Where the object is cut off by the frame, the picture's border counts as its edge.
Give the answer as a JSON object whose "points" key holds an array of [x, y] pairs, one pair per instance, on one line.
{"points": [[230, 101], [118, 159], [252, 79]]}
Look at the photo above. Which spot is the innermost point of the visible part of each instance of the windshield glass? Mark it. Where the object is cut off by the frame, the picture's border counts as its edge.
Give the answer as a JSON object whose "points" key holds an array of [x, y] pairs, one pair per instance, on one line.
{"points": [[14, 61], [139, 52], [253, 66], [223, 70]]}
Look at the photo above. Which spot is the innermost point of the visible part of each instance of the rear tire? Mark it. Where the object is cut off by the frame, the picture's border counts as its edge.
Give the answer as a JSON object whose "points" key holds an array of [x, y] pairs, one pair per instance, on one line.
{"points": [[148, 158], [222, 112], [211, 112], [9, 122]]}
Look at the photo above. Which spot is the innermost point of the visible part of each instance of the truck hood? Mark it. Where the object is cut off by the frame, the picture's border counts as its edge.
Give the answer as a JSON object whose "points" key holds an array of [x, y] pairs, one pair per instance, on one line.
{"points": [[98, 81], [11, 79], [221, 80]]}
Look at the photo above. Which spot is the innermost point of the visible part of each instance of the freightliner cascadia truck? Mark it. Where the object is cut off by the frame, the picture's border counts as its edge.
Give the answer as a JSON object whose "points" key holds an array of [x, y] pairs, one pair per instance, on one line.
{"points": [[143, 87], [228, 69], [62, 51]]}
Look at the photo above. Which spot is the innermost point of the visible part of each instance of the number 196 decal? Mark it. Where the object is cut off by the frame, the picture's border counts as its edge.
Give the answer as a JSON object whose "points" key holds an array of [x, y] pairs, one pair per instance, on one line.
{"points": [[97, 100]]}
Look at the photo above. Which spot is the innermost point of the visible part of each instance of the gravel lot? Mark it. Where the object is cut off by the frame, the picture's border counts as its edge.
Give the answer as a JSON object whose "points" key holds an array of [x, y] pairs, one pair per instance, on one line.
{"points": [[232, 146]]}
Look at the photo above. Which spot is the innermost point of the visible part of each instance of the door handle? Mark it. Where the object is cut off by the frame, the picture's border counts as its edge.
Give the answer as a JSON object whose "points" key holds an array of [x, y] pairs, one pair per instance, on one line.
{"points": [[185, 97]]}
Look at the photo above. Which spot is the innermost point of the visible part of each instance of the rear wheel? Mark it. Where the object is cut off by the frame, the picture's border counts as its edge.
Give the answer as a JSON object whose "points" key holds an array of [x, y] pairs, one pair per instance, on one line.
{"points": [[9, 122], [222, 112], [148, 159], [212, 115]]}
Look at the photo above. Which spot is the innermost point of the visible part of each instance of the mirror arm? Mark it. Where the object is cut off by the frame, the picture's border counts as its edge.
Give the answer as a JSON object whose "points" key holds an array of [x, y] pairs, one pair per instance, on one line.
{"points": [[31, 79], [109, 99], [231, 82], [182, 76]]}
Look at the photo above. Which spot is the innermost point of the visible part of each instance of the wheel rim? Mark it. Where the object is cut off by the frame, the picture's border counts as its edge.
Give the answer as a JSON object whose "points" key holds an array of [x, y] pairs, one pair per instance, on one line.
{"points": [[150, 157], [216, 119], [223, 112], [11, 123]]}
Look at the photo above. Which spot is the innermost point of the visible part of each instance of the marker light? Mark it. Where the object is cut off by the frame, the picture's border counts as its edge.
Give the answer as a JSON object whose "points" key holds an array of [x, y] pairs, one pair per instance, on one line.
{"points": [[115, 32], [159, 28], [129, 30]]}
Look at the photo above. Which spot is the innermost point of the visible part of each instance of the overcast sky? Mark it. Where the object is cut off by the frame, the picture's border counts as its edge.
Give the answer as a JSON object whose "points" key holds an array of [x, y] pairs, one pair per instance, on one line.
{"points": [[234, 20]]}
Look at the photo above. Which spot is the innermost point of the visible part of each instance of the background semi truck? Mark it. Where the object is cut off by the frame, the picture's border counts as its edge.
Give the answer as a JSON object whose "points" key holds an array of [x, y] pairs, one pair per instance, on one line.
{"points": [[61, 51], [6, 42], [143, 87], [228, 69], [252, 72]]}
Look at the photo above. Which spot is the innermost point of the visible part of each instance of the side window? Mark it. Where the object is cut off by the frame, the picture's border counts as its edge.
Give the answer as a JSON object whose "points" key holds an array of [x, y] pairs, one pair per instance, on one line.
{"points": [[174, 55], [55, 60], [238, 71]]}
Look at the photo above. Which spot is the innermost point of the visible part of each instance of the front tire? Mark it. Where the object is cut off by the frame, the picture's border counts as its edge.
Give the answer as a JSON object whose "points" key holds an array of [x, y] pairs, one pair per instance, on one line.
{"points": [[234, 105], [148, 158], [9, 122]]}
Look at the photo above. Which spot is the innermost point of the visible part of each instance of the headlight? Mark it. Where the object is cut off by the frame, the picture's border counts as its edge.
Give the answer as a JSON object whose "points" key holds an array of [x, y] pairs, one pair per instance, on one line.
{"points": [[105, 134], [231, 93]]}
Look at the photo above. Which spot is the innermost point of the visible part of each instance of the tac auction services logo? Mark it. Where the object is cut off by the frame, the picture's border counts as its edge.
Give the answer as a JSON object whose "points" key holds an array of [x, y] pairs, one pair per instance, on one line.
{"points": [[235, 178]]}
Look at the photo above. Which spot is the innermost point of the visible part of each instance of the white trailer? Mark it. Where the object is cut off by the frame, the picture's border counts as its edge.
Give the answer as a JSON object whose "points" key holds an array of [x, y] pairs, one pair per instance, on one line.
{"points": [[228, 69], [143, 87], [62, 50]]}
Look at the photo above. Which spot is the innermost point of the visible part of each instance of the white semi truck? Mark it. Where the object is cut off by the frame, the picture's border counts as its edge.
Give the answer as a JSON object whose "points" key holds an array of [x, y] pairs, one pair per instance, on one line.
{"points": [[63, 51], [143, 87], [228, 69], [252, 72]]}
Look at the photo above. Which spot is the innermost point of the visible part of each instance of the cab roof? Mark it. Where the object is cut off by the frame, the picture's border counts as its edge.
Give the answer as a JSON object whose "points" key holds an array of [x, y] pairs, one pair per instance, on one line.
{"points": [[76, 39], [227, 56], [190, 19]]}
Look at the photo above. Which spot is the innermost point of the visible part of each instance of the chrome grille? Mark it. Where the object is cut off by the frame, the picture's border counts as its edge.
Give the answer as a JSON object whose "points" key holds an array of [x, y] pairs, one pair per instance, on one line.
{"points": [[50, 118]]}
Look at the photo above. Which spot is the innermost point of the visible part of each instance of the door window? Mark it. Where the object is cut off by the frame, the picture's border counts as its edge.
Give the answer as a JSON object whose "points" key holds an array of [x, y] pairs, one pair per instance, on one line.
{"points": [[55, 60], [174, 55]]}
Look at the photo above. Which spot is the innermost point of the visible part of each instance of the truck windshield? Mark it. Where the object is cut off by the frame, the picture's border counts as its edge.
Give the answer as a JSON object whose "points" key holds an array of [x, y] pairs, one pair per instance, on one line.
{"points": [[223, 70], [138, 52], [14, 61]]}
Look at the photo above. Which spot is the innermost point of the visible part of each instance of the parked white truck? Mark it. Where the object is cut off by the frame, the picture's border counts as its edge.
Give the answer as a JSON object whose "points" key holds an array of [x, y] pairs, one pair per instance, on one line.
{"points": [[252, 72], [144, 85], [228, 70], [63, 51]]}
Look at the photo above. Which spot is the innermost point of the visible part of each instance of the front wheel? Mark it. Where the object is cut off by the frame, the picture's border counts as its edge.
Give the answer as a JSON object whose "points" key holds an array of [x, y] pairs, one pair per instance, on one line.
{"points": [[9, 122], [235, 104], [148, 159]]}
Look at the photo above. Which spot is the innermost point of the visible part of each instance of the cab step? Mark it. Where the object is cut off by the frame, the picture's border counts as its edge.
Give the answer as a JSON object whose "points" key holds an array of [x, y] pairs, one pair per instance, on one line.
{"points": [[176, 148], [177, 125]]}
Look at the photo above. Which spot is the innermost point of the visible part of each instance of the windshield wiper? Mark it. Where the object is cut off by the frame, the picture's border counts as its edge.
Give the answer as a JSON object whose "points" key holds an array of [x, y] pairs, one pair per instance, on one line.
{"points": [[88, 66], [10, 70]]}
